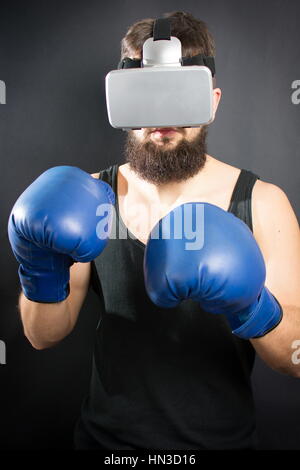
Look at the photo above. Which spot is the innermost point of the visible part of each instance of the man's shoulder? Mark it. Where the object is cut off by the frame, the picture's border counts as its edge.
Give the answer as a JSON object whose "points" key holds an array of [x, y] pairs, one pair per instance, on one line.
{"points": [[267, 194], [96, 175], [271, 209], [263, 191]]}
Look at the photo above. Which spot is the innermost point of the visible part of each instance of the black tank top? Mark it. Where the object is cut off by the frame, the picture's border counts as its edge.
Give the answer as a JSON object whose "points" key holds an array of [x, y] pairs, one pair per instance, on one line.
{"points": [[163, 378]]}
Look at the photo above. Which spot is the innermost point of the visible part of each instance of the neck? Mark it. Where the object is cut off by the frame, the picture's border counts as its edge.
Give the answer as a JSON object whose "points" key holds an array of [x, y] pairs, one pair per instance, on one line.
{"points": [[169, 194]]}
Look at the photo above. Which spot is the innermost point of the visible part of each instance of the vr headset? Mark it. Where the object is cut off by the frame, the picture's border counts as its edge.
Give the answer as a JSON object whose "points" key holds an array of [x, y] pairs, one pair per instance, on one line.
{"points": [[163, 89]]}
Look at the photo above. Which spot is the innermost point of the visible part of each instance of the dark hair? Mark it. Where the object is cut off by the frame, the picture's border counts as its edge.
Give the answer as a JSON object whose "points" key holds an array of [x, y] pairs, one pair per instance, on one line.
{"points": [[193, 34]]}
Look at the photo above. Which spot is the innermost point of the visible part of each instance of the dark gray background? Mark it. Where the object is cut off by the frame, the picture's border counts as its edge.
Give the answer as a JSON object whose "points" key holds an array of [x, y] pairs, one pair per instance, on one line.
{"points": [[53, 58]]}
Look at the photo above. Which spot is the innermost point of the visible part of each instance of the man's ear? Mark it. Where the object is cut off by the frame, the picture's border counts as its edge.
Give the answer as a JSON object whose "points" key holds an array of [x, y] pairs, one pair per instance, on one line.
{"points": [[217, 93]]}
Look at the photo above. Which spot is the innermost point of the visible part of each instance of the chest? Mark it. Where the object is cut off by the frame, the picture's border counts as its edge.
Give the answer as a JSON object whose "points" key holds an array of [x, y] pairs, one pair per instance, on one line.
{"points": [[139, 216]]}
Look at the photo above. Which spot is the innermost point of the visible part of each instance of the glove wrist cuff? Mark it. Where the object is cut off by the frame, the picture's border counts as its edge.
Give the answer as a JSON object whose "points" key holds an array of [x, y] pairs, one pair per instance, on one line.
{"points": [[266, 315], [45, 286]]}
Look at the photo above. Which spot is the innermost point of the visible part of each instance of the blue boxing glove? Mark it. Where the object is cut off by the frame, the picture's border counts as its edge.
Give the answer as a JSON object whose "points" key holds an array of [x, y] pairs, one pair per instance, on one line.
{"points": [[201, 252], [55, 222]]}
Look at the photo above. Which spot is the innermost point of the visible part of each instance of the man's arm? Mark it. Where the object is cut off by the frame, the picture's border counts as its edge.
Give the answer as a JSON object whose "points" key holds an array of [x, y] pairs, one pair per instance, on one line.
{"points": [[276, 230], [47, 324]]}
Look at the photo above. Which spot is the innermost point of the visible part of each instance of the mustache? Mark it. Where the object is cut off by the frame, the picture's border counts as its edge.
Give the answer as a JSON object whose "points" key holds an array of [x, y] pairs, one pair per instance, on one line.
{"points": [[152, 129]]}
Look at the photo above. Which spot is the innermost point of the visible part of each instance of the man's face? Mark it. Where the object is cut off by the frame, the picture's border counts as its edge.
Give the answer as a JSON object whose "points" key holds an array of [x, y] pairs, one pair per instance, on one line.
{"points": [[161, 155], [164, 155]]}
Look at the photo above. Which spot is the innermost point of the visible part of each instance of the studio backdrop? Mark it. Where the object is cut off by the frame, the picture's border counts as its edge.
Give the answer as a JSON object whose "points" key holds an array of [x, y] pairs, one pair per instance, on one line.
{"points": [[54, 57]]}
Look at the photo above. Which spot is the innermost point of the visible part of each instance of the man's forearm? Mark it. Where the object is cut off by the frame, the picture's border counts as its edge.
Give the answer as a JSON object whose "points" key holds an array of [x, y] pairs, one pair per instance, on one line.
{"points": [[278, 348], [45, 324]]}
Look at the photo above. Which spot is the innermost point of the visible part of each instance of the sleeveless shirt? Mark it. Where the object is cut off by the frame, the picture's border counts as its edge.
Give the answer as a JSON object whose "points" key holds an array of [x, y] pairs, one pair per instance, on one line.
{"points": [[163, 378]]}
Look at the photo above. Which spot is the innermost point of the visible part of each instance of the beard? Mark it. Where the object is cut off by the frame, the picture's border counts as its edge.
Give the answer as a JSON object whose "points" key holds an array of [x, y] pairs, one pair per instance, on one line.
{"points": [[160, 166]]}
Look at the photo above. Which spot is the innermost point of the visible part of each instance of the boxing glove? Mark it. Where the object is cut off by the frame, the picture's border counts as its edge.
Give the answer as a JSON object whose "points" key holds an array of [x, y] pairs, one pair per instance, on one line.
{"points": [[54, 223], [201, 252]]}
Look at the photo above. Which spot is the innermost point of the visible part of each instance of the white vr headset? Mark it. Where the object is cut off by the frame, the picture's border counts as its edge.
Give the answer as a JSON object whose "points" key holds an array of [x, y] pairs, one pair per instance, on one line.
{"points": [[163, 89]]}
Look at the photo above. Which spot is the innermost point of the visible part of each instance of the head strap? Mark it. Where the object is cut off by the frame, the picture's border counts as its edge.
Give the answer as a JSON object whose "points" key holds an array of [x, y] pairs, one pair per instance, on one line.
{"points": [[162, 31]]}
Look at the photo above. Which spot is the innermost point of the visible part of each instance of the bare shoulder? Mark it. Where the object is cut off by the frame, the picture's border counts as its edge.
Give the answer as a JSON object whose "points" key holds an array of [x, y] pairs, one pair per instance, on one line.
{"points": [[268, 195], [264, 189], [122, 168], [271, 209], [125, 172]]}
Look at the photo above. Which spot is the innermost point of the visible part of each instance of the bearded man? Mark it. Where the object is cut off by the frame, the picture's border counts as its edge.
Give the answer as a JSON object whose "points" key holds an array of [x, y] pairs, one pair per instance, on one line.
{"points": [[178, 330]]}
